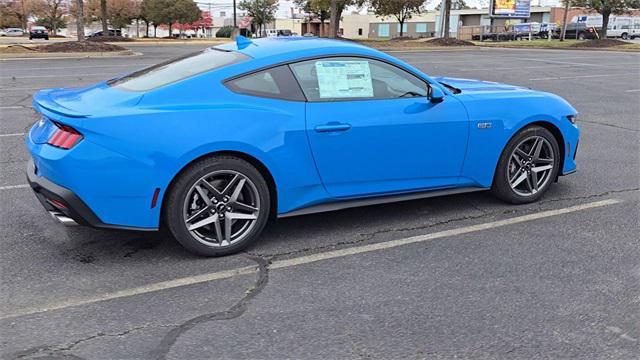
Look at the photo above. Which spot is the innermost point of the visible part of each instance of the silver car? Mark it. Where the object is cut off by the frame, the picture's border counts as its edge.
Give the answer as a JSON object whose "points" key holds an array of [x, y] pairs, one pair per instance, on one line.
{"points": [[13, 32]]}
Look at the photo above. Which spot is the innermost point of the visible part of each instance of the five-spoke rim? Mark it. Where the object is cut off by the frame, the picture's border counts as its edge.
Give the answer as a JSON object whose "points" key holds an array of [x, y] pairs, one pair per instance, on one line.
{"points": [[530, 166], [221, 208]]}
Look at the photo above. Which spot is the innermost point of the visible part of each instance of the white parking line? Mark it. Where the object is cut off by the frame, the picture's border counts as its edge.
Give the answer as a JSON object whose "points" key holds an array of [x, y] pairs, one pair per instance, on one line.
{"points": [[14, 107], [134, 65], [280, 264], [538, 67], [16, 134], [10, 187], [18, 77], [577, 77], [632, 90]]}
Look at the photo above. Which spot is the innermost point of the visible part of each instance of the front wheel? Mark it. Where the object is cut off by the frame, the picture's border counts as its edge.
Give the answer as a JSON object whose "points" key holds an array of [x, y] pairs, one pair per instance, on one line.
{"points": [[218, 206], [527, 167], [625, 36]]}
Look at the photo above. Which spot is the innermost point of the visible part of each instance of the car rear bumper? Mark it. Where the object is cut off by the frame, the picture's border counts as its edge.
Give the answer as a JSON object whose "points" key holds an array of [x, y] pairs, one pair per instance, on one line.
{"points": [[64, 205]]}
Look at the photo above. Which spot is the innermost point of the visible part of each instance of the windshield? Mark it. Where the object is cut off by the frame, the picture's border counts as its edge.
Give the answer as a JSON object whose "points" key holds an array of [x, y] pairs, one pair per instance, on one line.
{"points": [[177, 69]]}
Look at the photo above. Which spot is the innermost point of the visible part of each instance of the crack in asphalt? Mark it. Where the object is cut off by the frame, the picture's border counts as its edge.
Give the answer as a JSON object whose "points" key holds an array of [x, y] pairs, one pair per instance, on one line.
{"points": [[239, 308], [263, 260], [64, 350], [609, 125], [161, 351], [364, 237]]}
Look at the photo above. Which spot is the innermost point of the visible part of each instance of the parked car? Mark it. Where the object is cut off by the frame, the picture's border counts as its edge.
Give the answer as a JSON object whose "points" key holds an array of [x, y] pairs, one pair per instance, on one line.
{"points": [[578, 31], [2, 33], [14, 32], [112, 32], [495, 33], [537, 30], [38, 32], [213, 144], [278, 32]]}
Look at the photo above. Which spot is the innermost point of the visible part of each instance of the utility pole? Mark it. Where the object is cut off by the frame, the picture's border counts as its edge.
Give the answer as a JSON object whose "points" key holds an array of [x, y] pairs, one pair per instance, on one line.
{"points": [[234, 15], [563, 33]]}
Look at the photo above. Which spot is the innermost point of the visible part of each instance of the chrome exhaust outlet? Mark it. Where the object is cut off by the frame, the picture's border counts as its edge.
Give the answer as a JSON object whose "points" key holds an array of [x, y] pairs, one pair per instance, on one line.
{"points": [[63, 219]]}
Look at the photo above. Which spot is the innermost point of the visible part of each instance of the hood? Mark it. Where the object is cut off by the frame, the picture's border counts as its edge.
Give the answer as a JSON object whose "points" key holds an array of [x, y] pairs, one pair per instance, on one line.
{"points": [[468, 85], [88, 101]]}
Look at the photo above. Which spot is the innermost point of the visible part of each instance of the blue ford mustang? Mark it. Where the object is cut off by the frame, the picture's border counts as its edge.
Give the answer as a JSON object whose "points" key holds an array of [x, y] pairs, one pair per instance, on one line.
{"points": [[213, 144]]}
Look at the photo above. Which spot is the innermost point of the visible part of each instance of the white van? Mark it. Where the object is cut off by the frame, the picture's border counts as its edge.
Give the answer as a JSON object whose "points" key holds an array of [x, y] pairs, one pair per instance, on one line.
{"points": [[619, 26]]}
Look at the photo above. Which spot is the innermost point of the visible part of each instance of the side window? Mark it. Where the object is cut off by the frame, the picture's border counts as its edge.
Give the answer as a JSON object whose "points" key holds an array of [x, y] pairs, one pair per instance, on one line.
{"points": [[351, 78], [277, 83]]}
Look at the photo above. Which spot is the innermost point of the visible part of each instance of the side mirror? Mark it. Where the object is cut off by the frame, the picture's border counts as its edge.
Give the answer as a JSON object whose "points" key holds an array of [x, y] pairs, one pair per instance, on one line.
{"points": [[436, 95]]}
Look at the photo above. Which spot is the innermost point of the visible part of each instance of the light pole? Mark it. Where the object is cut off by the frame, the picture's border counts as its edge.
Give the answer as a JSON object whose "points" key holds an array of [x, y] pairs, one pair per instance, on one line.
{"points": [[234, 15]]}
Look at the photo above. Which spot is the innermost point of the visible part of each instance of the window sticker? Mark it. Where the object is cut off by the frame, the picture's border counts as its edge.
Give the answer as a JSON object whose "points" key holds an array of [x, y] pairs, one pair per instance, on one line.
{"points": [[344, 79]]}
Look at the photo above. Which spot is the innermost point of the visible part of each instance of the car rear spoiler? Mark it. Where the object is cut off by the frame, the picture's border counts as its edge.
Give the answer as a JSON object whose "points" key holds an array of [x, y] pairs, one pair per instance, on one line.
{"points": [[43, 103]]}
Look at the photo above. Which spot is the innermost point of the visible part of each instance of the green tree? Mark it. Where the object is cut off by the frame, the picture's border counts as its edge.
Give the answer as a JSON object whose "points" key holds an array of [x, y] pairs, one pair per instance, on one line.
{"points": [[169, 12], [402, 10], [262, 11], [319, 9], [606, 8]]}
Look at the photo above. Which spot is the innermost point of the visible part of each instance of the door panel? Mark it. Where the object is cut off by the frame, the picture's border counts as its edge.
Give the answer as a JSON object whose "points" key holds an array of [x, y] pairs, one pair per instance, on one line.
{"points": [[369, 147]]}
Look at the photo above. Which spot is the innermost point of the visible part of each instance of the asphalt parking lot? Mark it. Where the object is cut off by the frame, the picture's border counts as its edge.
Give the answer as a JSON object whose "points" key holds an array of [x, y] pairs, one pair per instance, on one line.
{"points": [[462, 276]]}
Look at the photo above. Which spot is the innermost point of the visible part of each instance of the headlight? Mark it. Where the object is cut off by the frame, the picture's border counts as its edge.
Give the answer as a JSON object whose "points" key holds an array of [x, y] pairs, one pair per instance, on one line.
{"points": [[572, 118]]}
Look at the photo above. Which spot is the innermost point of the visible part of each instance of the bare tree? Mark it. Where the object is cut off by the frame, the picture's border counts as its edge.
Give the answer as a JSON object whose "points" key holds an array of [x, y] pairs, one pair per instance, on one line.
{"points": [[103, 17], [80, 19], [333, 33], [447, 16]]}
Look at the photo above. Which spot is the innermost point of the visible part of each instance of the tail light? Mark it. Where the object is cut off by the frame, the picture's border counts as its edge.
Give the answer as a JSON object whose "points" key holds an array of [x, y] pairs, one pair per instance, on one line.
{"points": [[65, 137]]}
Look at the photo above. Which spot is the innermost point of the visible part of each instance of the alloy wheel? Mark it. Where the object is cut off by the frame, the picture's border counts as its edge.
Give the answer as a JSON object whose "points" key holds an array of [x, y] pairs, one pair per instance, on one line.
{"points": [[530, 166], [221, 208]]}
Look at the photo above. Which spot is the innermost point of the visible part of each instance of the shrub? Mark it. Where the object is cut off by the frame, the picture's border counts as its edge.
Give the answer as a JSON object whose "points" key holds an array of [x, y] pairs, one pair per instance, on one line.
{"points": [[225, 32]]}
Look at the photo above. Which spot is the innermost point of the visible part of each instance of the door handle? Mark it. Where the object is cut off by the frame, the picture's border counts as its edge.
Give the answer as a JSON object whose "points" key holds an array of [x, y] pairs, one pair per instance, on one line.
{"points": [[333, 127]]}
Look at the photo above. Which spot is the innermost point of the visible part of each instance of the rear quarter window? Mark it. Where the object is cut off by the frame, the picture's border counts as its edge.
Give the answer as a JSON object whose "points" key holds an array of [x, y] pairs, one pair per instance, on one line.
{"points": [[177, 69], [275, 83]]}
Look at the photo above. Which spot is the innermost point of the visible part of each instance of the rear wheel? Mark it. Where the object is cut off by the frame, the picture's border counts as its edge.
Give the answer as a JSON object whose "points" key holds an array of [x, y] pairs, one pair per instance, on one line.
{"points": [[625, 36], [527, 166], [218, 206]]}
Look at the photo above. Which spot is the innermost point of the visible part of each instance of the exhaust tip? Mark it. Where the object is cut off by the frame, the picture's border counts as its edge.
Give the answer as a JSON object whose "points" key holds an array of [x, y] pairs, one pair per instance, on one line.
{"points": [[63, 219]]}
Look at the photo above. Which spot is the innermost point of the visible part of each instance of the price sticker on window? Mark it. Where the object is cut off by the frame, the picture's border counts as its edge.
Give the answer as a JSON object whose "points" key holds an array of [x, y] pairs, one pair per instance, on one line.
{"points": [[344, 79]]}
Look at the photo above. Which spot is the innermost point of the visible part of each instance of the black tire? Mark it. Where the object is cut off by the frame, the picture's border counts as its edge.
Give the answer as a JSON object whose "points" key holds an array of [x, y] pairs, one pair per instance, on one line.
{"points": [[174, 217], [581, 36], [501, 187], [625, 36]]}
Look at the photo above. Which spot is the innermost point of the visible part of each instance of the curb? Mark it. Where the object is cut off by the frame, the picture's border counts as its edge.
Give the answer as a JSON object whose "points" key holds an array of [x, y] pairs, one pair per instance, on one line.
{"points": [[68, 55], [177, 42], [611, 49]]}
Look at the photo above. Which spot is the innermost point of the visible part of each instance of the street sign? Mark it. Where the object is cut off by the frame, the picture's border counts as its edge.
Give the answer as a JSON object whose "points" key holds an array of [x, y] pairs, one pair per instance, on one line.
{"points": [[511, 9]]}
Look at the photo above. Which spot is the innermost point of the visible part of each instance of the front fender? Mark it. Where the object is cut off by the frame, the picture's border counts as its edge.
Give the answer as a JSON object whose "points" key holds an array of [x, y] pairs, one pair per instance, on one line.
{"points": [[495, 120]]}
